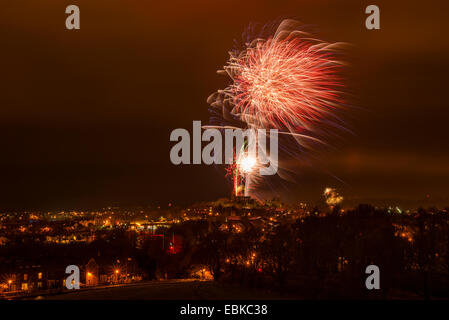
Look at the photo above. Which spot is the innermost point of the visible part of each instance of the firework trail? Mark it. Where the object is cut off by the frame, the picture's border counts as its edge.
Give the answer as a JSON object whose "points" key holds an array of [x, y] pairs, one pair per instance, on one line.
{"points": [[284, 80], [243, 172]]}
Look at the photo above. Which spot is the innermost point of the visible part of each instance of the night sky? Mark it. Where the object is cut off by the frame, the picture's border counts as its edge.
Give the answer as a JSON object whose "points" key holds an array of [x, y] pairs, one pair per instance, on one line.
{"points": [[86, 115]]}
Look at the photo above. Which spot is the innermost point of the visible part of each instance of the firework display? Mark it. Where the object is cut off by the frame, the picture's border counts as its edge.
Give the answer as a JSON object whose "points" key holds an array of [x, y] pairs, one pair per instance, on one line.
{"points": [[285, 80], [332, 197]]}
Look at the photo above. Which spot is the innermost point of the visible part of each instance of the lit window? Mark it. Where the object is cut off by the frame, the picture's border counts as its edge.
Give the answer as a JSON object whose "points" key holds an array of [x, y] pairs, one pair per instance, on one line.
{"points": [[39, 275]]}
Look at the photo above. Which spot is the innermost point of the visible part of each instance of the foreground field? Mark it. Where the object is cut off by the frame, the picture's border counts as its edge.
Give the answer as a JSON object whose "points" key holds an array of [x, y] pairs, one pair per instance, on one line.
{"points": [[168, 290]]}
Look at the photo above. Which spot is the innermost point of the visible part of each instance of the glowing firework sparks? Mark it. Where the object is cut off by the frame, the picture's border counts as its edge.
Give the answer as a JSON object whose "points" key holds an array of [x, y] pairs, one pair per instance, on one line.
{"points": [[247, 164], [332, 197], [286, 80], [283, 84], [242, 172]]}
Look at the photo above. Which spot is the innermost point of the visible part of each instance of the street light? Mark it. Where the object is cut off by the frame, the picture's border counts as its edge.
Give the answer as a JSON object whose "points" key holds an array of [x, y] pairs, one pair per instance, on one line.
{"points": [[117, 271], [89, 276]]}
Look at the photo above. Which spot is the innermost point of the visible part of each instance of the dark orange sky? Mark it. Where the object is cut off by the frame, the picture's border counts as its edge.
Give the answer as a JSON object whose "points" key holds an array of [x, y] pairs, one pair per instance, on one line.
{"points": [[86, 115]]}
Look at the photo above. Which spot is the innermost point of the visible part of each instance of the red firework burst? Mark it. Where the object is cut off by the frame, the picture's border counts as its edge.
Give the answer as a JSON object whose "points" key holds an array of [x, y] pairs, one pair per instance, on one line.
{"points": [[284, 82]]}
